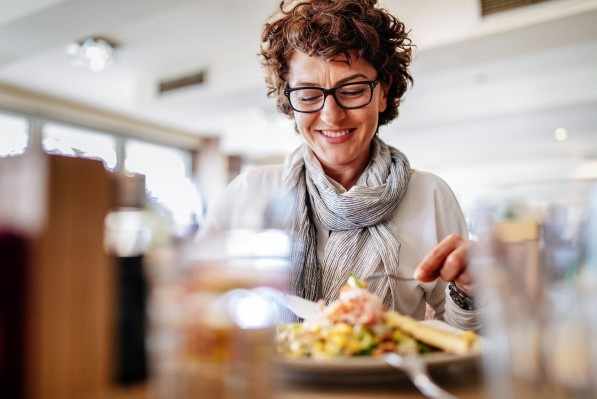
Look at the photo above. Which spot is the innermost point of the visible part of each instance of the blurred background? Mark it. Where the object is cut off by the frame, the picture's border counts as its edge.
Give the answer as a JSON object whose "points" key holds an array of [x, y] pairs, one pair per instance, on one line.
{"points": [[504, 108], [504, 102]]}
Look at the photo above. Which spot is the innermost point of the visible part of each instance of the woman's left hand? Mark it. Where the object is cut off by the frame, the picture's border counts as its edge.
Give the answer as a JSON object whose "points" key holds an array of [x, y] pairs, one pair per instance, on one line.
{"points": [[448, 261]]}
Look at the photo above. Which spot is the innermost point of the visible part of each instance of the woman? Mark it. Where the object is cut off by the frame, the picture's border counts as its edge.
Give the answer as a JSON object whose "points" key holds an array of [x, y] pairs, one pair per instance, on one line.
{"points": [[340, 68]]}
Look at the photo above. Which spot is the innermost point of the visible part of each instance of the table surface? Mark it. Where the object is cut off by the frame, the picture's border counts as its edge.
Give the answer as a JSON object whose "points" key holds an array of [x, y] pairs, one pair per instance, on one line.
{"points": [[464, 381]]}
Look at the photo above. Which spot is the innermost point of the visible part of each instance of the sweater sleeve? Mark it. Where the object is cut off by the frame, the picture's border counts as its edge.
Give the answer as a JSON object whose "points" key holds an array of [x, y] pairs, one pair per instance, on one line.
{"points": [[450, 220]]}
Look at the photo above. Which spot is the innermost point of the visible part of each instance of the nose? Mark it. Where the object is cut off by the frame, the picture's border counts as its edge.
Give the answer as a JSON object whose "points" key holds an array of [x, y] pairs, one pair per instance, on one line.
{"points": [[331, 111]]}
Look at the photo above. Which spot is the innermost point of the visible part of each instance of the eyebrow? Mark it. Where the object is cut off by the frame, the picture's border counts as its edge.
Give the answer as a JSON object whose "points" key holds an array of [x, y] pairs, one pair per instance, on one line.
{"points": [[341, 81]]}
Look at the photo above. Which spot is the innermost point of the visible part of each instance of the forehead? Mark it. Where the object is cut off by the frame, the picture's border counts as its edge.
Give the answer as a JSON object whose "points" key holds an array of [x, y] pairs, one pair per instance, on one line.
{"points": [[305, 68]]}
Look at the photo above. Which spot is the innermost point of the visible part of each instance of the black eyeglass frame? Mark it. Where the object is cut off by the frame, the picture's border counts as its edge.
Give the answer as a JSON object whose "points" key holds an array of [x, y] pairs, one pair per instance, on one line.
{"points": [[332, 91]]}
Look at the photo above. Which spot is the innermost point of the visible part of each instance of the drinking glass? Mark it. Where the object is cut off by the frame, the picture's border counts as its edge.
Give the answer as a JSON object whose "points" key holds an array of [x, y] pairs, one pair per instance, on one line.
{"points": [[536, 284], [212, 331]]}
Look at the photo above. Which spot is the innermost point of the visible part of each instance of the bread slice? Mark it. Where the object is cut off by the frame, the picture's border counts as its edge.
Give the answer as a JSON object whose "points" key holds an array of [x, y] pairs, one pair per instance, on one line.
{"points": [[460, 343]]}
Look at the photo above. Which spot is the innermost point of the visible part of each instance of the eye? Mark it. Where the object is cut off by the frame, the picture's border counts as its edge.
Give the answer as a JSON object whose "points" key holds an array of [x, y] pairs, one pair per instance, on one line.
{"points": [[353, 90], [308, 95]]}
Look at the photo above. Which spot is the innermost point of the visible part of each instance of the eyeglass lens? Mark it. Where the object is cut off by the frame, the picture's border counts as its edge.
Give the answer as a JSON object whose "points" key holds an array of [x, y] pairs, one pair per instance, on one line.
{"points": [[352, 95]]}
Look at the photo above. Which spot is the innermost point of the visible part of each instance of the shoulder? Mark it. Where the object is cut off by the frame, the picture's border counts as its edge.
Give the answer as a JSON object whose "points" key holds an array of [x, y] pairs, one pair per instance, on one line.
{"points": [[260, 176], [429, 194], [426, 189], [262, 182], [244, 202], [427, 182]]}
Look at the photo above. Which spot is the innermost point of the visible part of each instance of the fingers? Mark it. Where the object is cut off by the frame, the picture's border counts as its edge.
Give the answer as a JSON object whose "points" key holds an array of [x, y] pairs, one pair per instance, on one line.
{"points": [[455, 263], [448, 261]]}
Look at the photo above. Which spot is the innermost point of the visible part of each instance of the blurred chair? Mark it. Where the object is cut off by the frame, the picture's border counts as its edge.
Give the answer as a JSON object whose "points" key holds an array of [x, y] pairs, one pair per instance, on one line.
{"points": [[521, 240]]}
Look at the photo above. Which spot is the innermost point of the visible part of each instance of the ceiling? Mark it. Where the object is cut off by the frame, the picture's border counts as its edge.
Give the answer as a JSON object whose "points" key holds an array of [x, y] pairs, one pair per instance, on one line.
{"points": [[488, 94]]}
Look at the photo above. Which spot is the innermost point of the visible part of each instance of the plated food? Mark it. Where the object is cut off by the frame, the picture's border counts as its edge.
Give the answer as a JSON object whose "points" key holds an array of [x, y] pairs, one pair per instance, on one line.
{"points": [[357, 325]]}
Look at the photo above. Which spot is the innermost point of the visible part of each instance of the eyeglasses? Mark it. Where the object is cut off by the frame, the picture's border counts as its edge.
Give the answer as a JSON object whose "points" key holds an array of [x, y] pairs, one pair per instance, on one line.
{"points": [[347, 96]]}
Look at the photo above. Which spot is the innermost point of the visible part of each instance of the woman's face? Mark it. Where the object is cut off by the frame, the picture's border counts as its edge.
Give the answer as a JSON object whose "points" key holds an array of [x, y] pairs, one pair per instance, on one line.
{"points": [[340, 138]]}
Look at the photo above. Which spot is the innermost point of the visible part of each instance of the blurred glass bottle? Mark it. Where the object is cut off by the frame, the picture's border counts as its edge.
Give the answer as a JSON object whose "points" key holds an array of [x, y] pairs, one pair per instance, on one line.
{"points": [[127, 236], [589, 284]]}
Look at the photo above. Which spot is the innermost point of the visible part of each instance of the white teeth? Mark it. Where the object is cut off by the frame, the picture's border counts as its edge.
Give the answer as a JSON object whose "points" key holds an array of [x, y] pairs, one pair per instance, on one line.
{"points": [[335, 134]]}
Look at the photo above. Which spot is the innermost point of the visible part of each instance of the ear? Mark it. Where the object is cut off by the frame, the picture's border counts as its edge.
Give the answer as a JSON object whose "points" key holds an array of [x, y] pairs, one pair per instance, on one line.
{"points": [[384, 88]]}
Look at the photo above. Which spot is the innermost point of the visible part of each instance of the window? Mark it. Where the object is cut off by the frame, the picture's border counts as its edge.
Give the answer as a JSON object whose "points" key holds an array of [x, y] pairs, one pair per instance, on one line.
{"points": [[75, 141], [14, 135], [167, 180], [167, 170]]}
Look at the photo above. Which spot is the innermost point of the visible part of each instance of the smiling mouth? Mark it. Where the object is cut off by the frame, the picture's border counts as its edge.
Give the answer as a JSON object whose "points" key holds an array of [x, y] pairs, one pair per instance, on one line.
{"points": [[336, 133]]}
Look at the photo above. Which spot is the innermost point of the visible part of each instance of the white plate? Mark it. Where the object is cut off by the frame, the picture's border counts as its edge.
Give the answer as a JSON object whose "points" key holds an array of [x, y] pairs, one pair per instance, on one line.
{"points": [[362, 369]]}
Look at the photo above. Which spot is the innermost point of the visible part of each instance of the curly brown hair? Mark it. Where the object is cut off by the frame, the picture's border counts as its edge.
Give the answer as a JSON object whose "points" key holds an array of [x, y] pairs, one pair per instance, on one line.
{"points": [[328, 28]]}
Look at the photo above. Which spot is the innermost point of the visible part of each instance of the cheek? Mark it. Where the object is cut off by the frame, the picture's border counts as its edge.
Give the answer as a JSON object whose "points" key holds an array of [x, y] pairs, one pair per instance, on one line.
{"points": [[303, 121], [371, 118]]}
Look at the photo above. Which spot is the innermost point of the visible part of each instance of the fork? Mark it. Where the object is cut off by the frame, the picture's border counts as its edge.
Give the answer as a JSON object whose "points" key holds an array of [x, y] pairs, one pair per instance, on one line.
{"points": [[416, 369], [381, 275]]}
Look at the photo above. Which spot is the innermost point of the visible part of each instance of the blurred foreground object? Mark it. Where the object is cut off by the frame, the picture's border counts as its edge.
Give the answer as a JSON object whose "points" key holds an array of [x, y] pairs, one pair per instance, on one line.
{"points": [[212, 332], [59, 279], [128, 236], [539, 303]]}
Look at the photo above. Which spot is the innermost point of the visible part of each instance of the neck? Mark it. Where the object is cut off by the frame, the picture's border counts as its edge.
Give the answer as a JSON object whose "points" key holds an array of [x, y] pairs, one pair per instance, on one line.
{"points": [[347, 177]]}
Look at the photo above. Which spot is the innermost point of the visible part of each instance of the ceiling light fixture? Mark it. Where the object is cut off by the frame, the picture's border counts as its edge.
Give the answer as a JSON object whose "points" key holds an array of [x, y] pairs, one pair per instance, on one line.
{"points": [[561, 134], [94, 53]]}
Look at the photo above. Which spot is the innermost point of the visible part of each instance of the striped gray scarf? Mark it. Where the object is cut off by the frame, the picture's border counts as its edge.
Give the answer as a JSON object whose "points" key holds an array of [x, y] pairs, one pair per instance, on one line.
{"points": [[362, 238]]}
